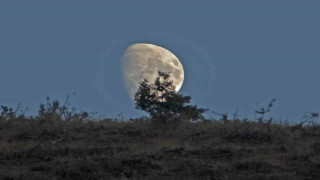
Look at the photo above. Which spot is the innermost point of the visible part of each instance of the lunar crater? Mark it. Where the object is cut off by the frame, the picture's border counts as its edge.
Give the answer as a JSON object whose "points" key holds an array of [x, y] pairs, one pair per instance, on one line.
{"points": [[143, 61]]}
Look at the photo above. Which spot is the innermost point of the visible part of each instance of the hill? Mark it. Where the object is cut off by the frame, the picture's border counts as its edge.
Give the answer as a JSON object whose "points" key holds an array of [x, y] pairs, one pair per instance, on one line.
{"points": [[51, 146]]}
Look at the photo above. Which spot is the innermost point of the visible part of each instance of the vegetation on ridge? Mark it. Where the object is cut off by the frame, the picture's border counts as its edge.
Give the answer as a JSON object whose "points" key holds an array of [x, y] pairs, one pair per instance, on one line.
{"points": [[64, 143], [165, 106]]}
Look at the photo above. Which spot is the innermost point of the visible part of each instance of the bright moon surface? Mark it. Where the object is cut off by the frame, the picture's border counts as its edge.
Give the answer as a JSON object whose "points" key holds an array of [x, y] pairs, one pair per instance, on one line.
{"points": [[143, 61]]}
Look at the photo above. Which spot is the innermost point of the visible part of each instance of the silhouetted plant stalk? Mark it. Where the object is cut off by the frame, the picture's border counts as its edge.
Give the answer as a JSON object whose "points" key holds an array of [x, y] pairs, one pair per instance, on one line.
{"points": [[224, 116], [8, 113], [53, 109], [309, 118], [263, 110]]}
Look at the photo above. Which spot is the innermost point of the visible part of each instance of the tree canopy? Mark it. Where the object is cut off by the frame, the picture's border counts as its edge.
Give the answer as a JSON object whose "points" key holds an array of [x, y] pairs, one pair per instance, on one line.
{"points": [[161, 100]]}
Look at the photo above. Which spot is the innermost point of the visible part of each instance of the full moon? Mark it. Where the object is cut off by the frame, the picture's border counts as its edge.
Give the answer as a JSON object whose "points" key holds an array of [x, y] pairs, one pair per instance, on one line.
{"points": [[143, 61]]}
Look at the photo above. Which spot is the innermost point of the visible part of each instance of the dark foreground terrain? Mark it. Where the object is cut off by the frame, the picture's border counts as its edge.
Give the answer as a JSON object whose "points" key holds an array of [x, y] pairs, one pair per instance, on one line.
{"points": [[47, 147]]}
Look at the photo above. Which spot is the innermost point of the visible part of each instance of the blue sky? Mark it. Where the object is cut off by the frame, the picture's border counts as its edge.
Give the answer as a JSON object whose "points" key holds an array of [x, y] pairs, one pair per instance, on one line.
{"points": [[237, 55]]}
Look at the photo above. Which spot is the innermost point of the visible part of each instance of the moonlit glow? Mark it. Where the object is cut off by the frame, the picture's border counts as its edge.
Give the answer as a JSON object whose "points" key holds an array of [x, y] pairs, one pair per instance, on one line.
{"points": [[143, 61]]}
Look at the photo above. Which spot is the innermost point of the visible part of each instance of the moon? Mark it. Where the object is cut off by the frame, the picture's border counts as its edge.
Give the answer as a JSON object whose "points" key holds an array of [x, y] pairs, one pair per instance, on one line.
{"points": [[143, 61]]}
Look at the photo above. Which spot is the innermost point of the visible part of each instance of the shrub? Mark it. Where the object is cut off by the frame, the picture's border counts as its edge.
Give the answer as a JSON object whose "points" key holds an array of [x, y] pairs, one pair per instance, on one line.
{"points": [[162, 102], [54, 109]]}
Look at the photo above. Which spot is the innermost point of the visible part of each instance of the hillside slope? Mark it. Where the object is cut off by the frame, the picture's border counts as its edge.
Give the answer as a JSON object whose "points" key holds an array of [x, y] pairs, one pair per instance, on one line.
{"points": [[51, 148]]}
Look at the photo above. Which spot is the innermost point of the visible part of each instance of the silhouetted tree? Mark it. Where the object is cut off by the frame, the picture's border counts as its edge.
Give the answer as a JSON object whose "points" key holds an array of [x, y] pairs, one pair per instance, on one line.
{"points": [[162, 102]]}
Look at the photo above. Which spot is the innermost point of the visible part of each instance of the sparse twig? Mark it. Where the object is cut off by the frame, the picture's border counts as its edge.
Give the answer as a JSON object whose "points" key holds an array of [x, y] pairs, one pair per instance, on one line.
{"points": [[224, 116], [263, 110], [309, 118]]}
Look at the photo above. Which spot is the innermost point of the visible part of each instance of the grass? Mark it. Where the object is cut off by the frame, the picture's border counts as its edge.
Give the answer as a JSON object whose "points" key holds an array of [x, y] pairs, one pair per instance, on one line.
{"points": [[61, 143]]}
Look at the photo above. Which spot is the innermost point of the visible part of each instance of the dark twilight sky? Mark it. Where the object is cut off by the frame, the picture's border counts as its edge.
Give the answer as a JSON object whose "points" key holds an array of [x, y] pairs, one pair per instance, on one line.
{"points": [[237, 55]]}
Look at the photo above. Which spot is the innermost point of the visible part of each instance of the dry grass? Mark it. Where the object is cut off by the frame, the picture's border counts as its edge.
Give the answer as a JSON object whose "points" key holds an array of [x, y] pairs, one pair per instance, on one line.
{"points": [[36, 148], [59, 144]]}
